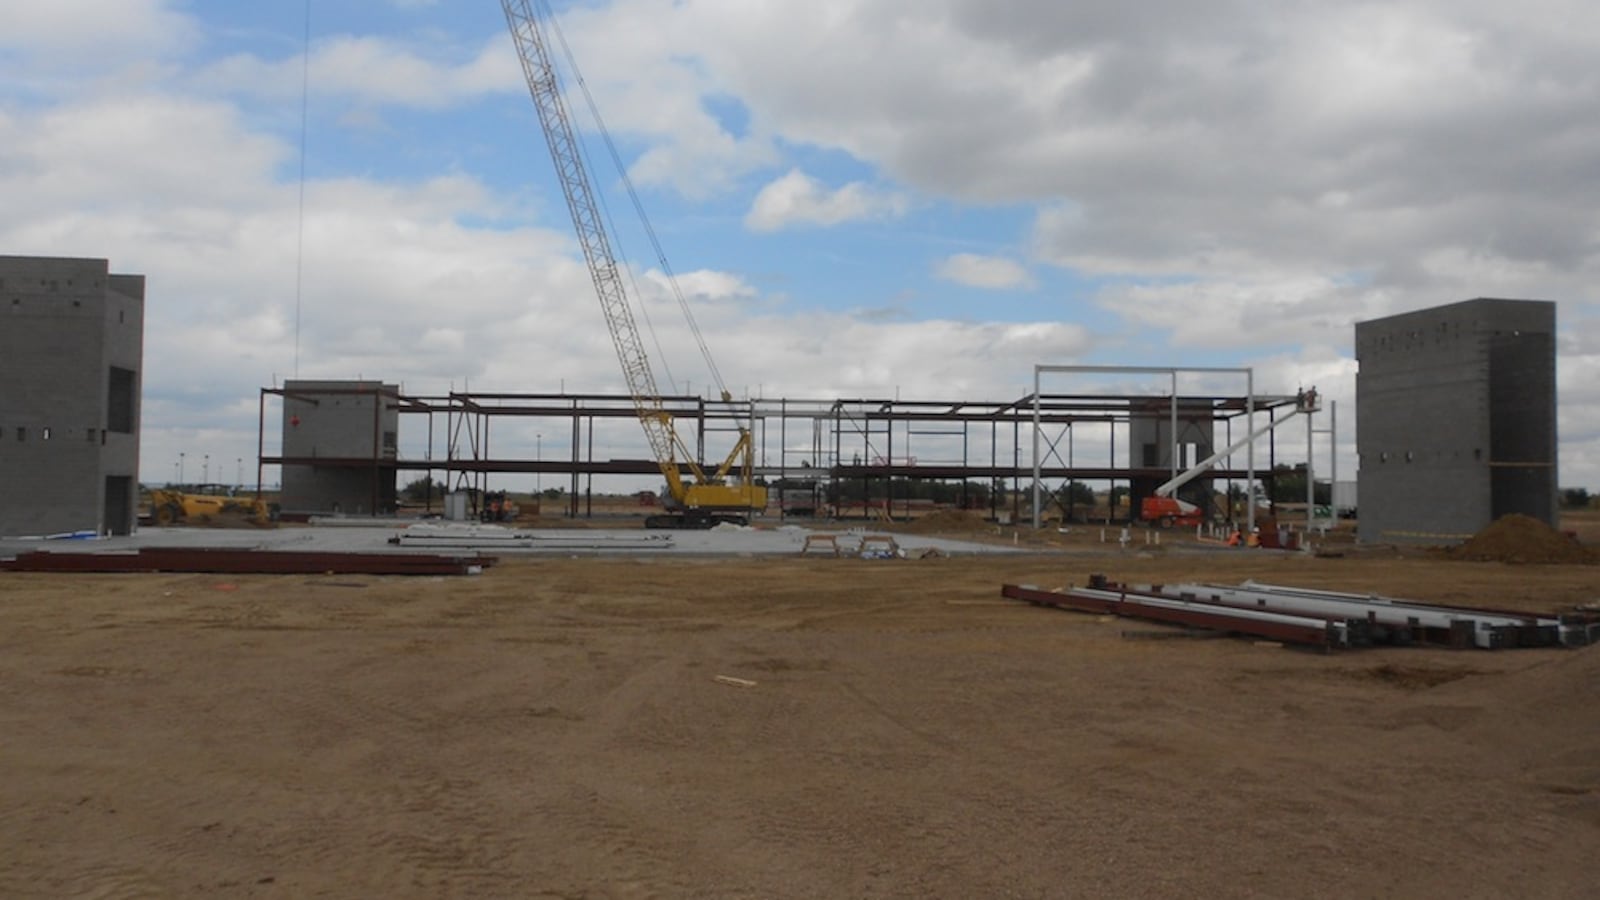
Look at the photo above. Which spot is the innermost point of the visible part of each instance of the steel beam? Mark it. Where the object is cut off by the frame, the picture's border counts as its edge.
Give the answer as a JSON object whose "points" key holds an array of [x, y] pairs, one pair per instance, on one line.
{"points": [[1307, 630], [1407, 620], [244, 562]]}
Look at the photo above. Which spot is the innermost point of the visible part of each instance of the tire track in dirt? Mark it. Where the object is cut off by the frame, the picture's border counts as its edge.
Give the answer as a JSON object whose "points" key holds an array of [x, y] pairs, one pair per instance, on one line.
{"points": [[401, 797], [534, 748], [111, 882], [635, 831]]}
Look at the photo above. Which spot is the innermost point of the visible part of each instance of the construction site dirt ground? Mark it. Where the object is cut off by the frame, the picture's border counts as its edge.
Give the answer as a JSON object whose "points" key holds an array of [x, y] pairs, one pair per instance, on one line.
{"points": [[881, 728]]}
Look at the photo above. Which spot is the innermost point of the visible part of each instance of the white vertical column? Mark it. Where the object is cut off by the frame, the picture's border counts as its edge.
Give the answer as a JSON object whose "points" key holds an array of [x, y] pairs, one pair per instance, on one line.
{"points": [[1311, 480], [1036, 421], [1250, 452]]}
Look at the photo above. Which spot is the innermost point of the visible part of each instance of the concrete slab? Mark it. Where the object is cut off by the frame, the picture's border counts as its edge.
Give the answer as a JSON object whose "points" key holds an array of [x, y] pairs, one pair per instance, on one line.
{"points": [[490, 540]]}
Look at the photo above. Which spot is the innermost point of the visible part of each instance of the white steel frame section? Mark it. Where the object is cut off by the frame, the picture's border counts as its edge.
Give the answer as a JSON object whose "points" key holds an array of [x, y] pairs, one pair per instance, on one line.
{"points": [[1172, 372]]}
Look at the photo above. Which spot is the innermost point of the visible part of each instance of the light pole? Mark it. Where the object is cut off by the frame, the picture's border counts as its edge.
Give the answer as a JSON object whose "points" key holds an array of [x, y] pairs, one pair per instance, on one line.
{"points": [[238, 472], [180, 468], [205, 470], [538, 457], [177, 475]]}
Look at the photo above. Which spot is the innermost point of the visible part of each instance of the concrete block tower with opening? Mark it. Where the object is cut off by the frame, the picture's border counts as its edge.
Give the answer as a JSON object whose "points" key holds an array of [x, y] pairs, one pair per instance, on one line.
{"points": [[1456, 419], [71, 358], [1151, 443], [339, 447]]}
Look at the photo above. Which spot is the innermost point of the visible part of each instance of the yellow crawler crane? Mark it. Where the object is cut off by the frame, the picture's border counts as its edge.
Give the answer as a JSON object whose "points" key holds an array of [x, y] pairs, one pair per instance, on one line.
{"points": [[703, 498]]}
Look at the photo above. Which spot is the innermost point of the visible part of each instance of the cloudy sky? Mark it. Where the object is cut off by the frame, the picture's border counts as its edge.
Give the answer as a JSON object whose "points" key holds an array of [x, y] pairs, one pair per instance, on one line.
{"points": [[861, 197]]}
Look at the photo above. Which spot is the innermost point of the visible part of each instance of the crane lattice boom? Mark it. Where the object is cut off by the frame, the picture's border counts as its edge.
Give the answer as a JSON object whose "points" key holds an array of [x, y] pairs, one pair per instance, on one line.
{"points": [[545, 89], [708, 493]]}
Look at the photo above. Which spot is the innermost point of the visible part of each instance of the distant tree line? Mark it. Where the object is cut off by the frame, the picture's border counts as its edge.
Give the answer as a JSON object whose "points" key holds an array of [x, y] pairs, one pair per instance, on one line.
{"points": [[1289, 486], [419, 490]]}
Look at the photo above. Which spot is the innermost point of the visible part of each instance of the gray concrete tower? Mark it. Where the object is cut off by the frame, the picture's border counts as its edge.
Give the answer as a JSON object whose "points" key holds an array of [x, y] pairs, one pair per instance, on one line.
{"points": [[71, 360], [339, 447], [1456, 419]]}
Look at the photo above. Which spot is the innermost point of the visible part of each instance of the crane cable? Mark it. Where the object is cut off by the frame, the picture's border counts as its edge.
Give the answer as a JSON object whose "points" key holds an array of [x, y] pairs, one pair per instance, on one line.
{"points": [[644, 218], [614, 236], [627, 270], [300, 217]]}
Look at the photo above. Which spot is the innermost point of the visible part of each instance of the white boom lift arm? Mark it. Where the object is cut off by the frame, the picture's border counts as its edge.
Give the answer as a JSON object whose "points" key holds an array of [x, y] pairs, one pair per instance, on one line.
{"points": [[1306, 402]]}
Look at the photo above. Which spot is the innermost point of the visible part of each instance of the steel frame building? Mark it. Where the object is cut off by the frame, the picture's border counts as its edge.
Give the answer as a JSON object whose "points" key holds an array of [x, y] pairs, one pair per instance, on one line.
{"points": [[875, 441]]}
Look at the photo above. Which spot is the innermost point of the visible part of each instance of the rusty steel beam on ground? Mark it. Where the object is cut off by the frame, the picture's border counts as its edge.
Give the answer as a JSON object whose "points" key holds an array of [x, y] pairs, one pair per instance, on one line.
{"points": [[248, 562]]}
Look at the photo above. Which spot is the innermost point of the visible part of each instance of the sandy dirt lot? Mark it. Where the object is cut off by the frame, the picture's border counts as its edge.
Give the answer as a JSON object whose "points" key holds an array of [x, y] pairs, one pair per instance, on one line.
{"points": [[557, 729]]}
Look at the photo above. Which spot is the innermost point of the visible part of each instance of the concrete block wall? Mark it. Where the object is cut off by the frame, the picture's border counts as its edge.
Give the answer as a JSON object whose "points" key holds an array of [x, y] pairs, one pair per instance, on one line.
{"points": [[1150, 444], [1522, 416], [67, 463], [344, 422], [1451, 431], [1150, 434]]}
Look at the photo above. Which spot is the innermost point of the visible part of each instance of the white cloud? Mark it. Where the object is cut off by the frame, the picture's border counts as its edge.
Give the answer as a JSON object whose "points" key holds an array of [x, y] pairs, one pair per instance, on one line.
{"points": [[1224, 314], [825, 355], [699, 286], [1249, 185], [651, 93], [990, 272], [397, 287], [1578, 384], [369, 71], [93, 33], [130, 149], [1321, 141], [798, 199]]}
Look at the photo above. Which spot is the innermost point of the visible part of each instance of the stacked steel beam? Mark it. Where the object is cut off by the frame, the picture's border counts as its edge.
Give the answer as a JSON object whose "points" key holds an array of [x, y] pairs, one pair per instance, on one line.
{"points": [[1324, 619], [243, 562], [1106, 598], [1391, 619]]}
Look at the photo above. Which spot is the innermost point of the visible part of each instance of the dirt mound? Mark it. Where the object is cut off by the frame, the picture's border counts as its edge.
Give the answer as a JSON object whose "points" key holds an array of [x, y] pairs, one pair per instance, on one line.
{"points": [[948, 521], [1522, 539]]}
